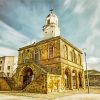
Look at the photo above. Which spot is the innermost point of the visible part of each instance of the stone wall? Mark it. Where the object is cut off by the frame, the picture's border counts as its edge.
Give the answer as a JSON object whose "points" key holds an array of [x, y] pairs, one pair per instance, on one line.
{"points": [[39, 82], [38, 85], [50, 72], [94, 80], [42, 48], [54, 83], [4, 85]]}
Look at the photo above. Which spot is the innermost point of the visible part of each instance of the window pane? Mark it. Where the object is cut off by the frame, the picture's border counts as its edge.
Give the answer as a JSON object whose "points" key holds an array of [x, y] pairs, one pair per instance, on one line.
{"points": [[36, 55], [8, 67], [50, 51], [0, 67], [8, 74], [48, 22], [0, 62]]}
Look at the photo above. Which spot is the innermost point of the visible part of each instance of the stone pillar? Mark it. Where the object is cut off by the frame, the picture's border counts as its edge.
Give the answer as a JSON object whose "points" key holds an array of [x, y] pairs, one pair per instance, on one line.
{"points": [[59, 84], [20, 83], [71, 82], [83, 80], [63, 79], [77, 81]]}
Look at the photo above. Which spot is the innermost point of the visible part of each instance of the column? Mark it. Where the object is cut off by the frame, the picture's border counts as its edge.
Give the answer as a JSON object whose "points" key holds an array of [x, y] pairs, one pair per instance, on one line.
{"points": [[83, 80], [77, 81], [71, 82]]}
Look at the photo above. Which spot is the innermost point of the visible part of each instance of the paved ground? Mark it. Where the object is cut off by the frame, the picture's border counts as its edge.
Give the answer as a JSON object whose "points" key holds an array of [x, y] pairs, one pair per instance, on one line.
{"points": [[11, 97], [81, 97], [72, 97], [66, 95]]}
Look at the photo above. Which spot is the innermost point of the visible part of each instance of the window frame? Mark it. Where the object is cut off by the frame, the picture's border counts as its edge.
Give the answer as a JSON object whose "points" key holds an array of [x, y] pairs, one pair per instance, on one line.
{"points": [[50, 51], [0, 68], [48, 21], [8, 74], [66, 52], [36, 55], [79, 59], [0, 62], [8, 67]]}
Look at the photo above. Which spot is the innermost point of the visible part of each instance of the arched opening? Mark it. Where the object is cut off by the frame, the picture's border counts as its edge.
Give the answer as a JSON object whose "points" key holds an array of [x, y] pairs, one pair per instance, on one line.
{"points": [[76, 59], [71, 56], [48, 21], [36, 55], [67, 78], [50, 51], [27, 76], [74, 79], [66, 52], [80, 79], [79, 58], [74, 56]]}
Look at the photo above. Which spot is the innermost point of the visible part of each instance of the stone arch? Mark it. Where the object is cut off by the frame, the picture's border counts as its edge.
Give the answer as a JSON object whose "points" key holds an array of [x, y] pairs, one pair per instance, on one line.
{"points": [[26, 76], [80, 79], [67, 78], [74, 78]]}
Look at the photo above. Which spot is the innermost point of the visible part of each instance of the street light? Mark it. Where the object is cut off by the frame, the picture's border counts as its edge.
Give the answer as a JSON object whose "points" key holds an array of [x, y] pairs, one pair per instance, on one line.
{"points": [[84, 50]]}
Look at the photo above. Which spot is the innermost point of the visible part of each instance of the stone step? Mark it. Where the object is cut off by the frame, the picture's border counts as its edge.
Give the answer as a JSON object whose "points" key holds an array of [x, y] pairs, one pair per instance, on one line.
{"points": [[11, 83]]}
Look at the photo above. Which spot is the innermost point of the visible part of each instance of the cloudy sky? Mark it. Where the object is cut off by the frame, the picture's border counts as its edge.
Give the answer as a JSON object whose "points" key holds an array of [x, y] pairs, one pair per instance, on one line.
{"points": [[21, 23]]}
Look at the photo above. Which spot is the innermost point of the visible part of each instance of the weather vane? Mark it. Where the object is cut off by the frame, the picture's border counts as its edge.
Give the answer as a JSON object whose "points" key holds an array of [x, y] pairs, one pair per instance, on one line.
{"points": [[51, 10]]}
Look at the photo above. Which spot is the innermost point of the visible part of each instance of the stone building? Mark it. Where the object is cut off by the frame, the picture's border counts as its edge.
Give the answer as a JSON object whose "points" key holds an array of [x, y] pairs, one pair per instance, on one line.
{"points": [[7, 65], [94, 78], [50, 65]]}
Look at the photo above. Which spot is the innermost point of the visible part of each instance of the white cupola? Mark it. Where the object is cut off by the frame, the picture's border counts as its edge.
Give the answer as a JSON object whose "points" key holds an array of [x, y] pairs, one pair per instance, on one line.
{"points": [[51, 28]]}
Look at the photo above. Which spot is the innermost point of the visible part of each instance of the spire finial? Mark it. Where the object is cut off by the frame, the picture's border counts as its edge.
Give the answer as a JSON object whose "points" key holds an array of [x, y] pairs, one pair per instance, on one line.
{"points": [[51, 10]]}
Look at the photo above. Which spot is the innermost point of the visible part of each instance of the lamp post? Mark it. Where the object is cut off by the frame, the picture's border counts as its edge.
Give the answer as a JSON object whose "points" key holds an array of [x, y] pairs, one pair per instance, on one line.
{"points": [[86, 69]]}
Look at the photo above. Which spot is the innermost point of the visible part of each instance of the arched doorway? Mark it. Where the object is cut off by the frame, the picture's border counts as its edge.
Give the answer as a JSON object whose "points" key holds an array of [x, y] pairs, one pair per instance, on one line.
{"points": [[27, 76], [67, 78], [80, 79], [74, 78]]}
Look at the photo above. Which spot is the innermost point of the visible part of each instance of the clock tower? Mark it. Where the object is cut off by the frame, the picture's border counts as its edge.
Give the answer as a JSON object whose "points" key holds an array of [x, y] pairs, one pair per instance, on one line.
{"points": [[51, 28]]}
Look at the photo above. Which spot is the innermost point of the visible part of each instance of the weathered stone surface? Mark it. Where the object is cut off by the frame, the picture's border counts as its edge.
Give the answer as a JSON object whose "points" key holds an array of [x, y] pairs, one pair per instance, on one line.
{"points": [[50, 65], [4, 85], [49, 73]]}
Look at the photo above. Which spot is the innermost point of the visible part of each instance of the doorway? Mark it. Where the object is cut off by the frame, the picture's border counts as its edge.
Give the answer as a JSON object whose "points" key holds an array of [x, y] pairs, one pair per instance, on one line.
{"points": [[27, 76], [74, 78], [67, 79]]}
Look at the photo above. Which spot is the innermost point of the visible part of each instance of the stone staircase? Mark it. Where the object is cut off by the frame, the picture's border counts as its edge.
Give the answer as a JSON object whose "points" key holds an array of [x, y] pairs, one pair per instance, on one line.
{"points": [[34, 86], [11, 83], [38, 81]]}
